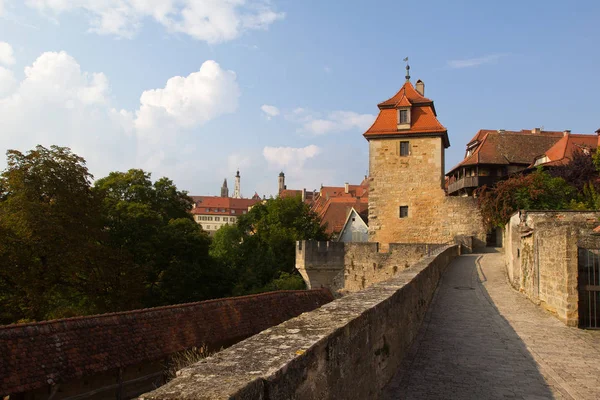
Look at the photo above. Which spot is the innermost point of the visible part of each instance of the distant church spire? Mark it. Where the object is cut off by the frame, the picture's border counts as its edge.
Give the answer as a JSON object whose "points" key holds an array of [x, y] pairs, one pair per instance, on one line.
{"points": [[224, 189], [407, 70], [237, 193]]}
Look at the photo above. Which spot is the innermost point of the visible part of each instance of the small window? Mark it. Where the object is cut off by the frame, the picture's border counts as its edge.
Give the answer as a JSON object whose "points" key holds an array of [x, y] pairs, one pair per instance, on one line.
{"points": [[217, 218], [233, 211], [403, 211], [403, 116], [404, 149]]}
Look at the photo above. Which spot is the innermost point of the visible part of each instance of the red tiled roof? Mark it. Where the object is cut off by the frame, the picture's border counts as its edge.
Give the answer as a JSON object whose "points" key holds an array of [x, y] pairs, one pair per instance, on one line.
{"points": [[423, 116], [336, 209], [407, 90], [562, 151], [34, 355], [492, 147], [297, 193], [333, 204], [216, 204]]}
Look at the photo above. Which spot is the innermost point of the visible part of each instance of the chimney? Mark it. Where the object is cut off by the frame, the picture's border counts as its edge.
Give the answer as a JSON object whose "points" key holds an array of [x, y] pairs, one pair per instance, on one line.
{"points": [[346, 188], [536, 131], [420, 87], [566, 132], [303, 195]]}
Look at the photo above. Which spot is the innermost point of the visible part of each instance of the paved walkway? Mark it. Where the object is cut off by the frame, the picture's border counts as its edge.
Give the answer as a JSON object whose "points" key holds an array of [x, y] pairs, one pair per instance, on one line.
{"points": [[483, 340]]}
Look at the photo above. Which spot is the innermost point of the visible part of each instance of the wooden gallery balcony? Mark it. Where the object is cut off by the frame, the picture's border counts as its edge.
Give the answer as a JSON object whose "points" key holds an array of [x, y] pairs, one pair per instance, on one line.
{"points": [[468, 184]]}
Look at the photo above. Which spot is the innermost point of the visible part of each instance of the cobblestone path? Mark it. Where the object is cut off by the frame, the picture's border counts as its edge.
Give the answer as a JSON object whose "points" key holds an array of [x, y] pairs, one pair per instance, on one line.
{"points": [[483, 340]]}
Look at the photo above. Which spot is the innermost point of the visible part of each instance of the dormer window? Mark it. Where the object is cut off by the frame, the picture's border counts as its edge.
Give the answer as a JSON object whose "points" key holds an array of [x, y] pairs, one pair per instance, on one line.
{"points": [[403, 118]]}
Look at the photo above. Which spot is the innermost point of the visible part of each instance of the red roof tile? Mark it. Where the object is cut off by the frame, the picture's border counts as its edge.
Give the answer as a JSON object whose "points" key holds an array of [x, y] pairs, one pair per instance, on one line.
{"points": [[335, 211], [423, 116], [493, 147], [215, 204], [562, 151], [407, 90]]}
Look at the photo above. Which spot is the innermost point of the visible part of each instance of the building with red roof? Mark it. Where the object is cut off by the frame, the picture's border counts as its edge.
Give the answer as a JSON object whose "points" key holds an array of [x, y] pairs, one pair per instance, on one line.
{"points": [[212, 212], [493, 155], [332, 204], [407, 198]]}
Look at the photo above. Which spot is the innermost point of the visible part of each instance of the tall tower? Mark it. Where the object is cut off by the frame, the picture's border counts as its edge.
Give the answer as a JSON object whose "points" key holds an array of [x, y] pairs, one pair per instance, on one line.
{"points": [[281, 181], [224, 189], [236, 189], [406, 168]]}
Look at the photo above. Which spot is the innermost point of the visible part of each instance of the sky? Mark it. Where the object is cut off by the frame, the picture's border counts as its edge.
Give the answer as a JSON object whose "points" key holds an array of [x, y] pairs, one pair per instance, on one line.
{"points": [[195, 89]]}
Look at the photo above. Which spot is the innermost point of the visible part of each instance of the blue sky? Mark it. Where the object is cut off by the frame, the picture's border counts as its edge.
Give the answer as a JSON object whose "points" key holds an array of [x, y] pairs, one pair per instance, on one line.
{"points": [[281, 85]]}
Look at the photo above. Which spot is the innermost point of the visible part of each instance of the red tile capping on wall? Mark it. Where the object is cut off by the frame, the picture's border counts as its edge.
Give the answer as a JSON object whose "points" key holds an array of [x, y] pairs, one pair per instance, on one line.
{"points": [[37, 354]]}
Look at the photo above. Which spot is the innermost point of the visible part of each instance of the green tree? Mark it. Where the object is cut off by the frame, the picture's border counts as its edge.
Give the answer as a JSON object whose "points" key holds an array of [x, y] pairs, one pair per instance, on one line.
{"points": [[262, 245], [536, 191], [151, 222], [52, 259]]}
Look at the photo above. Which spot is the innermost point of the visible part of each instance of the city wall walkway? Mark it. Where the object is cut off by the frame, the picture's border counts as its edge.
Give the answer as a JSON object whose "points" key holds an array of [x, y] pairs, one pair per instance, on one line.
{"points": [[483, 340]]}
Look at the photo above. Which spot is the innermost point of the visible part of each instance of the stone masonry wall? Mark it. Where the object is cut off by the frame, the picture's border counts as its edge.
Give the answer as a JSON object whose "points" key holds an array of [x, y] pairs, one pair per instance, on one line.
{"points": [[542, 259], [347, 349], [354, 266], [416, 181]]}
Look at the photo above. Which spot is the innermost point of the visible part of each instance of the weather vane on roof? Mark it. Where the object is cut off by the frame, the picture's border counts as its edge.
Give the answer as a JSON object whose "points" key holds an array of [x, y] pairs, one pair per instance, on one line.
{"points": [[407, 69]]}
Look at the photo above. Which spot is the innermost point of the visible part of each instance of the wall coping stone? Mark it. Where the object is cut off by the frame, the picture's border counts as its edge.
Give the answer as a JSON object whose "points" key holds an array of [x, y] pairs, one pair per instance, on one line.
{"points": [[287, 353]]}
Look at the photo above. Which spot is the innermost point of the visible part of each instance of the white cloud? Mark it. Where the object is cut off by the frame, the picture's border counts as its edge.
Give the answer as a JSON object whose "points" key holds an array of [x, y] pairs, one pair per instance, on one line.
{"points": [[192, 100], [212, 21], [7, 82], [289, 157], [270, 111], [336, 121], [475, 62], [58, 103], [6, 51]]}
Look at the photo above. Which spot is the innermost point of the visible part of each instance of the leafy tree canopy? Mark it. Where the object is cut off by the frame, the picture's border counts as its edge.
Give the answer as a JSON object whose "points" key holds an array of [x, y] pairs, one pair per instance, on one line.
{"points": [[262, 245], [536, 191]]}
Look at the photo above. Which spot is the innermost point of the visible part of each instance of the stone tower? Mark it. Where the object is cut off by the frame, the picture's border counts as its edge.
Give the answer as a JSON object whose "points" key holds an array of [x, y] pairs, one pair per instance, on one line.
{"points": [[281, 181], [224, 189], [407, 200], [236, 189]]}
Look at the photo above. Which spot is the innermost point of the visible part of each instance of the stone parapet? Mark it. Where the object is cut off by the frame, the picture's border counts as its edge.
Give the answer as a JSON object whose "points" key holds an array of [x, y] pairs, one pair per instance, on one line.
{"points": [[347, 349], [350, 266], [541, 257]]}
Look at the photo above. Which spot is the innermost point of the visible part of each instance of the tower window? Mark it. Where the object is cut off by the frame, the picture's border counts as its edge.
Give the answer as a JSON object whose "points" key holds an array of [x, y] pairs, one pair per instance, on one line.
{"points": [[404, 149], [403, 117], [403, 211]]}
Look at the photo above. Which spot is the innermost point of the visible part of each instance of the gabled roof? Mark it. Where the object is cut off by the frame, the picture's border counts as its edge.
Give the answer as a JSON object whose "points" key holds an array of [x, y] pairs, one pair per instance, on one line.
{"points": [[562, 151], [336, 209], [218, 203], [493, 147], [423, 117], [356, 214], [407, 90]]}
